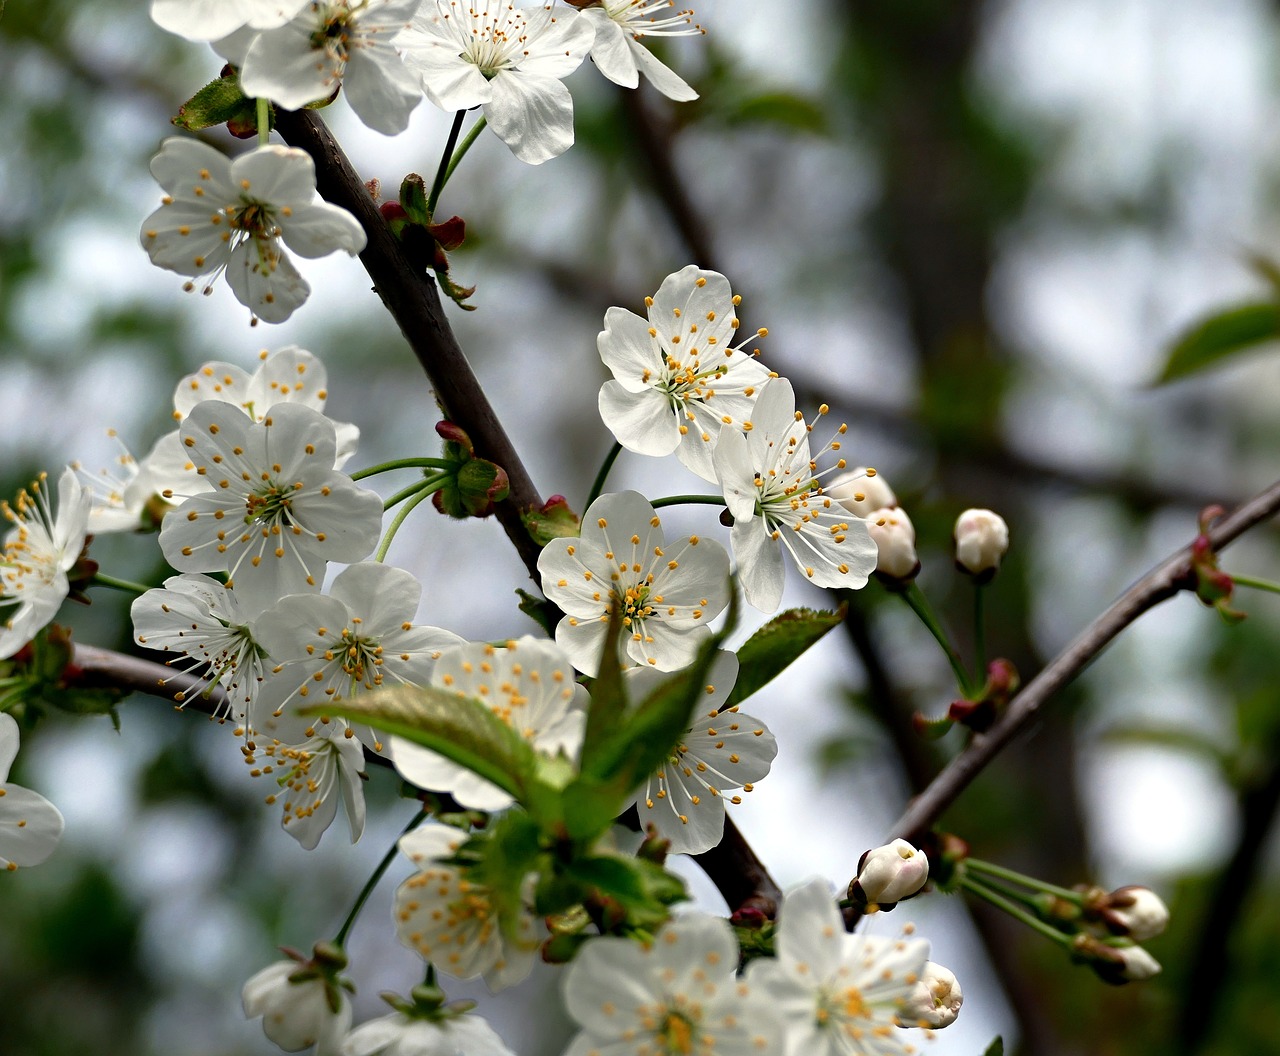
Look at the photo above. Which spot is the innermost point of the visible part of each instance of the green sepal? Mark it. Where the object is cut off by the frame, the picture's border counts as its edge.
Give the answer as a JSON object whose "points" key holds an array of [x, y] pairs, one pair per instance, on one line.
{"points": [[553, 520], [413, 197], [643, 890], [218, 102], [996, 1048], [776, 645], [462, 729]]}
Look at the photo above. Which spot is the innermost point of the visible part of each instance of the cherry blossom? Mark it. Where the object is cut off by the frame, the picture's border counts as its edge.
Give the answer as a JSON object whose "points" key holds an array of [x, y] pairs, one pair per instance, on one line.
{"points": [[618, 52], [30, 826], [401, 1035], [316, 775], [211, 19], [299, 1006]]}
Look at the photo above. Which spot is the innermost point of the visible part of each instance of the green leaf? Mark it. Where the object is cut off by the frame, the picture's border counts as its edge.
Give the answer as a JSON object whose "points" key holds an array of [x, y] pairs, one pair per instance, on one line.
{"points": [[642, 888], [461, 729], [544, 613], [773, 648], [784, 110], [608, 692], [1220, 335], [216, 103], [509, 850], [996, 1048]]}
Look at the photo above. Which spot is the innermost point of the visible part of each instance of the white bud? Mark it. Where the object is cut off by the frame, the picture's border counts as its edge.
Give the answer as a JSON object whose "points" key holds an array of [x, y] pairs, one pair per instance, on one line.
{"points": [[888, 874], [1138, 964], [934, 1001], [895, 540], [982, 539], [297, 1015], [860, 491], [1136, 912]]}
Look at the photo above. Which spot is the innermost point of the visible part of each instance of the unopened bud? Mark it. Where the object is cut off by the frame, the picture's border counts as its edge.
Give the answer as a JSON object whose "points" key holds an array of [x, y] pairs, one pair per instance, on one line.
{"points": [[1135, 912], [888, 874], [861, 491], [934, 1001], [895, 540], [982, 539], [1117, 964]]}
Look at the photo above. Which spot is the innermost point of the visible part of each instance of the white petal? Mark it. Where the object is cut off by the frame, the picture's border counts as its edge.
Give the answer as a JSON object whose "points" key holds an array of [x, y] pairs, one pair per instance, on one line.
{"points": [[660, 76], [760, 567], [319, 229], [380, 89], [30, 826], [531, 114]]}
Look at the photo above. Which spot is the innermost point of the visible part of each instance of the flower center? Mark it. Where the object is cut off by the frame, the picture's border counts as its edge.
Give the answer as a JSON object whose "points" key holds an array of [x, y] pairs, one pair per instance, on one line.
{"points": [[271, 505], [635, 603], [684, 381], [356, 654], [494, 40], [677, 1034]]}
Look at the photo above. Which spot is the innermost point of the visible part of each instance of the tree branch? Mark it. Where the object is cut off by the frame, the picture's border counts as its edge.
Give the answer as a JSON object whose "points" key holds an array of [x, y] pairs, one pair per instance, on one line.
{"points": [[1164, 581]]}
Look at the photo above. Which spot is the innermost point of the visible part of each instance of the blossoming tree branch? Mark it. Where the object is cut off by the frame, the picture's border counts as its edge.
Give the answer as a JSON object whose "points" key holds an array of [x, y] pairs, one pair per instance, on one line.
{"points": [[552, 778]]}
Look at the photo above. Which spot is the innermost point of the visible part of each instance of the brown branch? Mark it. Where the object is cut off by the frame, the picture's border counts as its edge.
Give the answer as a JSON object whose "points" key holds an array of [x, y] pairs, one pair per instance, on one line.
{"points": [[411, 297], [95, 668], [1164, 581]]}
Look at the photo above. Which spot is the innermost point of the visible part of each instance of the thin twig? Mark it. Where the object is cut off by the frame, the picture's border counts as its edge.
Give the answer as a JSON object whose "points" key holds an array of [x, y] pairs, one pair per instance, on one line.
{"points": [[1164, 581]]}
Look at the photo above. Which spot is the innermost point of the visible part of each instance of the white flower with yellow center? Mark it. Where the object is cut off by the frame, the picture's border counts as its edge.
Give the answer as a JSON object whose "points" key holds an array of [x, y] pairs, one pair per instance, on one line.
{"points": [[509, 60], [278, 510], [666, 594], [838, 994], [313, 777], [678, 379], [529, 684], [230, 215], [618, 52], [677, 996], [39, 550], [771, 486], [30, 826], [451, 920], [722, 750]]}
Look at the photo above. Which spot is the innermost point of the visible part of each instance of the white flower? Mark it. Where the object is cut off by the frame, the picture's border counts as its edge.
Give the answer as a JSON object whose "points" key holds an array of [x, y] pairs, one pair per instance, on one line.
{"points": [[861, 490], [278, 511], [39, 550], [934, 1002], [677, 377], [211, 19], [771, 487], [722, 750], [888, 874], [1136, 912], [838, 994], [450, 920], [679, 994], [200, 619], [120, 494], [357, 638], [401, 1035], [288, 375], [982, 539], [666, 595], [617, 51], [221, 214], [529, 685], [332, 43], [328, 767], [895, 538], [297, 1015], [30, 826], [506, 59]]}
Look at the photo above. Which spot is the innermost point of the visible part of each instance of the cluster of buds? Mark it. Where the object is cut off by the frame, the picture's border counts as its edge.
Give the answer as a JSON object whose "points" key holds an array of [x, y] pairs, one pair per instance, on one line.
{"points": [[1117, 921]]}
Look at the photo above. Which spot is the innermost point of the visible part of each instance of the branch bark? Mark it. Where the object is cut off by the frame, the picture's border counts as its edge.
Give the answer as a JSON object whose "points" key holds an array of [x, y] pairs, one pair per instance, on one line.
{"points": [[1164, 581]]}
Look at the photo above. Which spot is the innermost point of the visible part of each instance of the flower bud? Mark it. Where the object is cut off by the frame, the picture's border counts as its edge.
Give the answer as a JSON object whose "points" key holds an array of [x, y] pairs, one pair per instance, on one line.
{"points": [[1135, 912], [934, 1001], [895, 539], [1117, 964], [860, 491], [888, 874], [982, 539]]}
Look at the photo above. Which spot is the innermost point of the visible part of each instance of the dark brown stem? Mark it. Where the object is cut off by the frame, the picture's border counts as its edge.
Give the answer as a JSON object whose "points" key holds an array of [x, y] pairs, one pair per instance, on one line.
{"points": [[411, 297], [1164, 581]]}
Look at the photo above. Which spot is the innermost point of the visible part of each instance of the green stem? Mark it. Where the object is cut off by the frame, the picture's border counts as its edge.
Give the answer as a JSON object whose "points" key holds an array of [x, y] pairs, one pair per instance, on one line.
{"points": [[1000, 902], [1256, 584], [405, 493], [991, 869], [919, 604], [264, 122], [446, 167], [597, 485], [430, 488], [461, 152], [103, 580], [367, 890], [979, 630], [403, 463], [689, 500]]}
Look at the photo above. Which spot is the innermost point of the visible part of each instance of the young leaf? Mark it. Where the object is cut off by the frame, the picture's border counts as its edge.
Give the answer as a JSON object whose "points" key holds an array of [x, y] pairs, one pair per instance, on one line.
{"points": [[1220, 335], [608, 692], [772, 649], [461, 729], [996, 1048]]}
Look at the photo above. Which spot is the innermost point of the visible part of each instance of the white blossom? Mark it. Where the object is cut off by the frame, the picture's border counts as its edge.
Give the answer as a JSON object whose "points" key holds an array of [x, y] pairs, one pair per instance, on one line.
{"points": [[861, 490], [618, 52], [678, 379], [666, 594], [678, 994], [298, 1014], [508, 60], [529, 684], [39, 550], [935, 1000], [229, 215], [314, 776], [723, 750], [888, 874], [30, 826], [771, 486], [212, 19], [982, 539], [895, 538]]}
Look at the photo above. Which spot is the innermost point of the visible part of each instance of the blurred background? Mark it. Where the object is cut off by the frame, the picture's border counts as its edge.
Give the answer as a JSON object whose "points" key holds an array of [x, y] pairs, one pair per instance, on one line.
{"points": [[974, 229]]}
